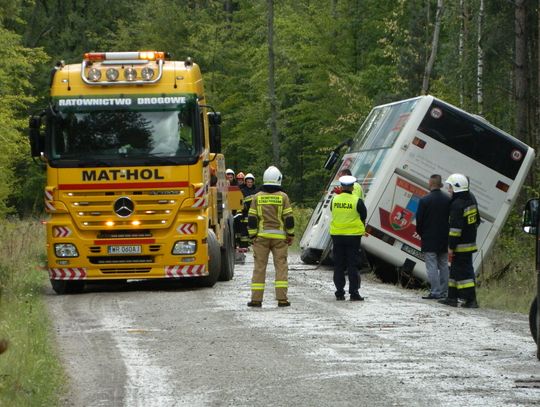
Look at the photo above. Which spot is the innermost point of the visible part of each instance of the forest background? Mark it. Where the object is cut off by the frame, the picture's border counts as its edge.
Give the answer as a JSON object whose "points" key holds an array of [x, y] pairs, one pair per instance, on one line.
{"points": [[292, 78]]}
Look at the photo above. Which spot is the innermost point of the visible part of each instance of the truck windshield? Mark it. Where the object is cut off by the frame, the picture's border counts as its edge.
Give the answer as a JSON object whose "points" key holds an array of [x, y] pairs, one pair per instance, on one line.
{"points": [[105, 135]]}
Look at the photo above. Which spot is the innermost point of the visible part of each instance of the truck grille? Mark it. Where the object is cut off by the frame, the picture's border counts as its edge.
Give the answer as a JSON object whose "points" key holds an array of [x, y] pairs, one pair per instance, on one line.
{"points": [[120, 259], [130, 270]]}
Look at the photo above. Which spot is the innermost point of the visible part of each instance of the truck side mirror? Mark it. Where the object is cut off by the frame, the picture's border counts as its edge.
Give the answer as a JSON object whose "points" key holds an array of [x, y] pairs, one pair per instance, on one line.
{"points": [[530, 216], [37, 140], [214, 120], [331, 160]]}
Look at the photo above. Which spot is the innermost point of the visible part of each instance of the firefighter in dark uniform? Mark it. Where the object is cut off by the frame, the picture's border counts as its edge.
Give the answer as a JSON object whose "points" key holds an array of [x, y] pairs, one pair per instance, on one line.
{"points": [[346, 228], [463, 222], [248, 190], [271, 225]]}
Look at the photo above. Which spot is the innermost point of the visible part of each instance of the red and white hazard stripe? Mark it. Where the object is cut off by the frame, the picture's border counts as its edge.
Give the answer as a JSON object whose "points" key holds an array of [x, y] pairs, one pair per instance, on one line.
{"points": [[186, 271], [49, 205], [201, 197], [61, 231], [78, 273], [187, 228]]}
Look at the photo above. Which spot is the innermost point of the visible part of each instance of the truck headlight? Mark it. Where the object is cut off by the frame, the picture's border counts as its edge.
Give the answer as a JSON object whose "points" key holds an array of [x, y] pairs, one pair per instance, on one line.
{"points": [[112, 74], [147, 73], [185, 247], [65, 250], [94, 74], [130, 74]]}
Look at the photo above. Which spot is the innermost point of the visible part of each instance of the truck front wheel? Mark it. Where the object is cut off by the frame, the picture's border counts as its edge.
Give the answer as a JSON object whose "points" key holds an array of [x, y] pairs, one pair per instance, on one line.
{"points": [[533, 319], [67, 286], [227, 253], [214, 262]]}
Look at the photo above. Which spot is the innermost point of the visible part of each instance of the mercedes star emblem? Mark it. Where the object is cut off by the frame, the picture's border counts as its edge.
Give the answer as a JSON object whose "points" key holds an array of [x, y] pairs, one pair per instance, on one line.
{"points": [[124, 207]]}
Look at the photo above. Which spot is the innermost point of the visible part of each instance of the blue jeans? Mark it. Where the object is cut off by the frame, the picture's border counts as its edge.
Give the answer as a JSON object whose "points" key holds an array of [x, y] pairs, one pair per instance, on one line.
{"points": [[437, 273]]}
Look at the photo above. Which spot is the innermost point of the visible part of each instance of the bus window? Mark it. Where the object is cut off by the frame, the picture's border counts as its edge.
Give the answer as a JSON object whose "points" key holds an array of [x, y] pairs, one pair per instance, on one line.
{"points": [[473, 138]]}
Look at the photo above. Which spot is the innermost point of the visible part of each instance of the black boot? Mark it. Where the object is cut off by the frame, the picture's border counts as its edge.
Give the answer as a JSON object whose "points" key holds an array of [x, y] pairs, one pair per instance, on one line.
{"points": [[452, 302], [470, 304], [257, 304]]}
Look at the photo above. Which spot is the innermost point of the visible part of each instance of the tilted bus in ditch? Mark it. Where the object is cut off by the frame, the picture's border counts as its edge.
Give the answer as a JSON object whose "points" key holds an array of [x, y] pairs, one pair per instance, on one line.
{"points": [[396, 149], [136, 183]]}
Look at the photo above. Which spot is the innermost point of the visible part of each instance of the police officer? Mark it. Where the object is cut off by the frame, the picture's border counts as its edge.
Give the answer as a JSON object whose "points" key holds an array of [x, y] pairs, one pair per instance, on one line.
{"points": [[271, 225], [464, 220], [346, 228]]}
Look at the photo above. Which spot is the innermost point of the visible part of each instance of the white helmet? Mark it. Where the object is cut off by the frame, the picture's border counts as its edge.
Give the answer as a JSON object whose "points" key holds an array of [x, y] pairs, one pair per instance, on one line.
{"points": [[229, 171], [250, 175], [459, 182], [272, 176]]}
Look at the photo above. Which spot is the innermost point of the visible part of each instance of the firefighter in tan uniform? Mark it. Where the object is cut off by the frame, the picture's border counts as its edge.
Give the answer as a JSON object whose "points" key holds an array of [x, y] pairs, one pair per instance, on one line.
{"points": [[271, 225]]}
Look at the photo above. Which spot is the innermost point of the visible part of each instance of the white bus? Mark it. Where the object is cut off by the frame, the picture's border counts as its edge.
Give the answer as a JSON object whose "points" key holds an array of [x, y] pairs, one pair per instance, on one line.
{"points": [[395, 151]]}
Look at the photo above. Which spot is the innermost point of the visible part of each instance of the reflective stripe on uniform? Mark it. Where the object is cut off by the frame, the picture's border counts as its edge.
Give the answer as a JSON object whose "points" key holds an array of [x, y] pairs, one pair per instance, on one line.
{"points": [[452, 283], [282, 284], [257, 286], [454, 232], [464, 284], [465, 248], [469, 210]]}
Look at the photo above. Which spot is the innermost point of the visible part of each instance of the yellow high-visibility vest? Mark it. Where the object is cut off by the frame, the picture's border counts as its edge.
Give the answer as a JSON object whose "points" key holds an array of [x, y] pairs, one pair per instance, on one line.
{"points": [[345, 218]]}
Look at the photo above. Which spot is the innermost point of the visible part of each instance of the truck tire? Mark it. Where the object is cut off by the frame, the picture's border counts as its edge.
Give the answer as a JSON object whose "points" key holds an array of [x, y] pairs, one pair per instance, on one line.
{"points": [[533, 319], [310, 256], [227, 253], [214, 263], [62, 287]]}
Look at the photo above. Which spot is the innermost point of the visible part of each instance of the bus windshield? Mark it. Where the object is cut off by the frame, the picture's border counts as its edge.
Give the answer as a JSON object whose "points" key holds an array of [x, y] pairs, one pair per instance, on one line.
{"points": [[383, 126], [106, 135], [375, 138]]}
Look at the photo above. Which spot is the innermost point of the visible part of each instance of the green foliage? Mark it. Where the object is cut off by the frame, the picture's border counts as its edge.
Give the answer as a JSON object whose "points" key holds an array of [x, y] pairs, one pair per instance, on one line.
{"points": [[30, 373], [17, 64]]}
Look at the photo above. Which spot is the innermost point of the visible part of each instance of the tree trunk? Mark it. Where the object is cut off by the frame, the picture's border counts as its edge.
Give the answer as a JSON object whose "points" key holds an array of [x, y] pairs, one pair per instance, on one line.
{"points": [[272, 85], [480, 63], [461, 47], [520, 69], [434, 46]]}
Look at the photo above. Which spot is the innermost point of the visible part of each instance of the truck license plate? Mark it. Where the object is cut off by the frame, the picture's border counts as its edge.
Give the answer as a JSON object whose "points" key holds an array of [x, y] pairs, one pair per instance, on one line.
{"points": [[124, 249]]}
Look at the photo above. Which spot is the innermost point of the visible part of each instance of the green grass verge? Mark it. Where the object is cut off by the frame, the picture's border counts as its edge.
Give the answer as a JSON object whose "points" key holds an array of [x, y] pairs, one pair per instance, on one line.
{"points": [[30, 373]]}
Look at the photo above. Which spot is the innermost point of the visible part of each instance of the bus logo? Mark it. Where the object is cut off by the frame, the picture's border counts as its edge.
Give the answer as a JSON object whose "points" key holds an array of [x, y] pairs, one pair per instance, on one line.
{"points": [[516, 155], [436, 113], [400, 218]]}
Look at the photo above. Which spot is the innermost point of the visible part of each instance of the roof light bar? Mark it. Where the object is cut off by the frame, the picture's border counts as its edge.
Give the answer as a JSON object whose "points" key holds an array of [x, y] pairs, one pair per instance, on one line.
{"points": [[124, 56]]}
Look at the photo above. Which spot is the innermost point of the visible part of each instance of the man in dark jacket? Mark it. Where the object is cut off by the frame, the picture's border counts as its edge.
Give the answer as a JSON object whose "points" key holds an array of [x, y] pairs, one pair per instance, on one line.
{"points": [[464, 220], [432, 226]]}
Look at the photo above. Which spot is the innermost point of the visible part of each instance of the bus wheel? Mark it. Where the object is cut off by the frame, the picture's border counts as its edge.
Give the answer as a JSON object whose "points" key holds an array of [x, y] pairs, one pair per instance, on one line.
{"points": [[67, 286], [214, 263], [227, 253], [310, 256], [386, 272], [533, 319]]}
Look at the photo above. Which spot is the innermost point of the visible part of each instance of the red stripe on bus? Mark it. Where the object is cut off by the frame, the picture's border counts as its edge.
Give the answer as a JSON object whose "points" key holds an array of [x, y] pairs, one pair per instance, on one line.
{"points": [[124, 185], [113, 241]]}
